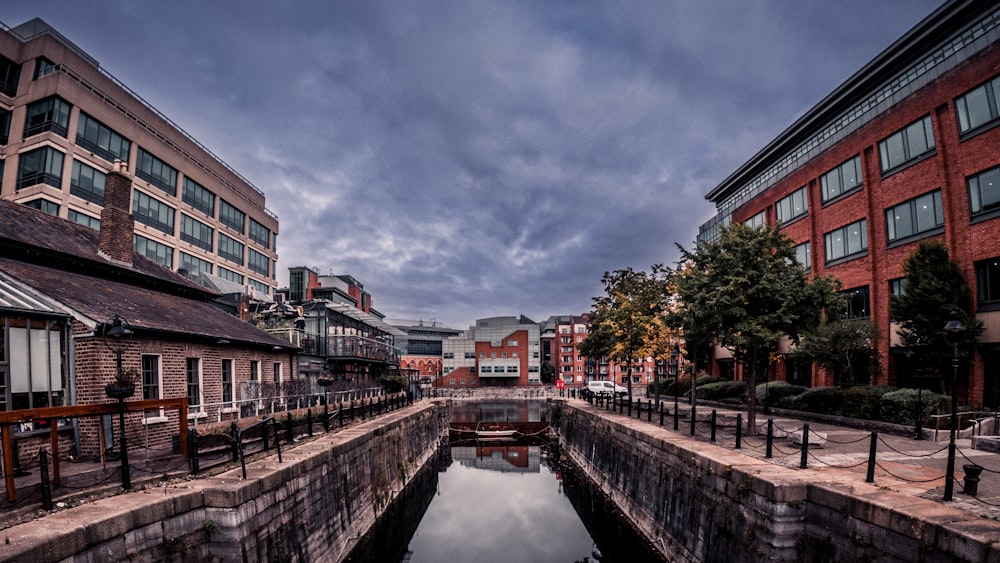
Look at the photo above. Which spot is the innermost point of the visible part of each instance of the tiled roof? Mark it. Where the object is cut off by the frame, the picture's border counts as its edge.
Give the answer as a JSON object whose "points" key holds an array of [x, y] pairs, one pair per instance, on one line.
{"points": [[146, 294]]}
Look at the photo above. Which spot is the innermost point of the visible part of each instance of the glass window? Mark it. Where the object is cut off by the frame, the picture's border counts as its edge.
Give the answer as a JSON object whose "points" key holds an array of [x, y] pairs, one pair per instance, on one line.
{"points": [[988, 281], [150, 377], [40, 166], [87, 183], [157, 252], [156, 172], [36, 368], [758, 220], [277, 372], [842, 179], [984, 191], [254, 370], [152, 212], [258, 262], [101, 140], [199, 197], [979, 106], [916, 216], [85, 220], [897, 287], [230, 249], [231, 217], [4, 126], [196, 232], [50, 114], [259, 286], [792, 206], [803, 255], [847, 241], [193, 373], [10, 74], [194, 265], [260, 234], [45, 205], [227, 380], [44, 67], [230, 275], [857, 306], [909, 143]]}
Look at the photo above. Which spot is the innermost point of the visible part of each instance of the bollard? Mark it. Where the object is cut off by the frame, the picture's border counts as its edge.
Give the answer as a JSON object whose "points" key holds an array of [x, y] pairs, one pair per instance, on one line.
{"points": [[676, 410], [870, 478], [43, 474], [972, 472], [739, 431], [265, 436], [805, 445], [649, 413], [660, 406], [309, 422], [193, 451], [768, 452], [712, 437], [289, 430], [234, 435], [340, 413], [277, 442], [326, 416], [629, 407]]}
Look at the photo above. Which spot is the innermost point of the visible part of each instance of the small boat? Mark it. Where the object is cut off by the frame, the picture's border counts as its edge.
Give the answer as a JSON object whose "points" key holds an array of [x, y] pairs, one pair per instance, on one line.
{"points": [[497, 433]]}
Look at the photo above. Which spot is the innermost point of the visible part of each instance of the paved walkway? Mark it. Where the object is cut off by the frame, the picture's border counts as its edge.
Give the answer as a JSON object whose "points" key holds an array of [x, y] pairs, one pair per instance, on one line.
{"points": [[903, 464]]}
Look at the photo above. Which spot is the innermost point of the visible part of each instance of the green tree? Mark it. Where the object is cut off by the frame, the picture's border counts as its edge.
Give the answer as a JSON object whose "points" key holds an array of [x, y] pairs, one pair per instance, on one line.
{"points": [[622, 319], [934, 284], [846, 348], [548, 372], [745, 290]]}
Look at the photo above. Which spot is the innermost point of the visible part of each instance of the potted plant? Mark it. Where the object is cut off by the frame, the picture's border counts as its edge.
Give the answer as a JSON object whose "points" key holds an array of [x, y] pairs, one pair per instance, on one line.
{"points": [[123, 385]]}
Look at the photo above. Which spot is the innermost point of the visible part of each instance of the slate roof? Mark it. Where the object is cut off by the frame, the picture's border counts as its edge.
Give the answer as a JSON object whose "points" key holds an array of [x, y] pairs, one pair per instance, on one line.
{"points": [[59, 259]]}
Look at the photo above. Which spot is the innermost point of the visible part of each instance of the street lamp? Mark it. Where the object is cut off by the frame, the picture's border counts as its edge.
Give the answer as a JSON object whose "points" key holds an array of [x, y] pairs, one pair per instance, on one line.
{"points": [[672, 367], [659, 376], [954, 326], [113, 340]]}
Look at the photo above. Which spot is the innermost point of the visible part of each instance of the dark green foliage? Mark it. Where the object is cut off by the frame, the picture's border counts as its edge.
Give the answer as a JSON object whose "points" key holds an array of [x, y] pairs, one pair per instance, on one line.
{"points": [[846, 348], [772, 392], [862, 401], [934, 284], [393, 384], [900, 406], [722, 390], [704, 380]]}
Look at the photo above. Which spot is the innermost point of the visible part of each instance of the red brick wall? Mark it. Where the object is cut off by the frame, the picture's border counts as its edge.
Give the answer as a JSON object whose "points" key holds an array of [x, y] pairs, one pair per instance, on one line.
{"points": [[946, 170]]}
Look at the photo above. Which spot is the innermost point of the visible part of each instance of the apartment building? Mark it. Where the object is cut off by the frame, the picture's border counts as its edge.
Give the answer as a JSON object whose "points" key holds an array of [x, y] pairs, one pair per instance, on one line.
{"points": [[64, 121], [906, 149], [497, 351]]}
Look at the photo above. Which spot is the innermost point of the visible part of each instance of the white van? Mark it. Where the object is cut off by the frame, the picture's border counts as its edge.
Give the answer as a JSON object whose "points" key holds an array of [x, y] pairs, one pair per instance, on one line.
{"points": [[605, 389]]}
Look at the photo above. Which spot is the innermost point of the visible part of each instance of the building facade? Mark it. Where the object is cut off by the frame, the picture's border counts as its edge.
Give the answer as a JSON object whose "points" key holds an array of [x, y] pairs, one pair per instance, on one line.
{"points": [[905, 150], [498, 351], [64, 121]]}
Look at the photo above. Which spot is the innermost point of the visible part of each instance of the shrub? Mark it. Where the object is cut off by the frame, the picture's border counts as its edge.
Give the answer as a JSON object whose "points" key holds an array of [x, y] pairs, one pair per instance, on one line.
{"points": [[900, 406], [393, 384], [820, 400], [772, 392], [721, 390], [863, 401], [704, 380]]}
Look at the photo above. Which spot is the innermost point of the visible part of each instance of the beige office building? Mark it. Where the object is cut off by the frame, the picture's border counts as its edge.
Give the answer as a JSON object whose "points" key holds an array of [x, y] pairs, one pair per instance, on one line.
{"points": [[64, 121]]}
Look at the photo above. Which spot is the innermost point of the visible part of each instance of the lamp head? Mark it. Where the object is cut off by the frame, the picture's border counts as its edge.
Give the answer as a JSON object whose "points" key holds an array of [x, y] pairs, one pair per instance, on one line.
{"points": [[954, 324]]}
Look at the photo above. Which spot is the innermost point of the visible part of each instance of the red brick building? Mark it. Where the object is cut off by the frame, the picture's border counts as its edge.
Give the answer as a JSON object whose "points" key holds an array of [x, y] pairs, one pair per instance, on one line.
{"points": [[904, 150], [498, 351], [62, 285]]}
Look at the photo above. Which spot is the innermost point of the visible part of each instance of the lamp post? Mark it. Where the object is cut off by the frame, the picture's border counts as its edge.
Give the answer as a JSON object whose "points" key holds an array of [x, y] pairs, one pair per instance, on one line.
{"points": [[954, 326], [672, 370], [659, 376], [119, 330]]}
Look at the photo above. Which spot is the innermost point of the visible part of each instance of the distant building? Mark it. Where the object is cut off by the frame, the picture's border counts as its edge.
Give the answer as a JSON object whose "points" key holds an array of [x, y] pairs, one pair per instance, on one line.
{"points": [[64, 121], [498, 351], [905, 150], [421, 346], [562, 333]]}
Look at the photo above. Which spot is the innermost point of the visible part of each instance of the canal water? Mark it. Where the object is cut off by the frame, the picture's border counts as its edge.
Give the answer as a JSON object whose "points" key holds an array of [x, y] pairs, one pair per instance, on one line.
{"points": [[497, 502]]}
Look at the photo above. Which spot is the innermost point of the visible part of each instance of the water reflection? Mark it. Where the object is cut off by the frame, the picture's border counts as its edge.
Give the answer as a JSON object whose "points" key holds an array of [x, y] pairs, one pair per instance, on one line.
{"points": [[503, 501]]}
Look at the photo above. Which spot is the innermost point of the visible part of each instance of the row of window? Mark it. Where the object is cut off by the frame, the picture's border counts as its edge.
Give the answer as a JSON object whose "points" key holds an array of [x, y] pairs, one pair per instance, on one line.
{"points": [[152, 381], [52, 114]]}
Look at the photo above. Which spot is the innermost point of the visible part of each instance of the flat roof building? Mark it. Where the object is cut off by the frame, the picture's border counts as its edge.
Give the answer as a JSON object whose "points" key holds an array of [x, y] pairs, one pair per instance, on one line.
{"points": [[64, 121]]}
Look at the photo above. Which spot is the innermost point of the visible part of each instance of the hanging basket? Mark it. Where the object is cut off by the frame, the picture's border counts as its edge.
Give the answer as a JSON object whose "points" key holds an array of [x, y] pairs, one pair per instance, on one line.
{"points": [[119, 391], [324, 381]]}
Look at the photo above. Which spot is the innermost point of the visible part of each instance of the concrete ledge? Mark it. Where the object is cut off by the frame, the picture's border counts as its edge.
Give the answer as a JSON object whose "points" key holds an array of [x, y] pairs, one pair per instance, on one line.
{"points": [[816, 439]]}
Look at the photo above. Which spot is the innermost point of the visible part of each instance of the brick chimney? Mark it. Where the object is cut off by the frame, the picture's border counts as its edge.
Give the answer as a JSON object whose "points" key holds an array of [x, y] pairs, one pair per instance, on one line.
{"points": [[117, 224]]}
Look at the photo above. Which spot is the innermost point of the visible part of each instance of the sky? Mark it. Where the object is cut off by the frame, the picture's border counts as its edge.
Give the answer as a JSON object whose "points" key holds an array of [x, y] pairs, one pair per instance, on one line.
{"points": [[469, 159]]}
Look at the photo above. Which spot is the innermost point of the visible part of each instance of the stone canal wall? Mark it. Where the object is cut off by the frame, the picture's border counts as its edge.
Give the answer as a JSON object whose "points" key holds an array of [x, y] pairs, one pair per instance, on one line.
{"points": [[313, 506], [700, 502]]}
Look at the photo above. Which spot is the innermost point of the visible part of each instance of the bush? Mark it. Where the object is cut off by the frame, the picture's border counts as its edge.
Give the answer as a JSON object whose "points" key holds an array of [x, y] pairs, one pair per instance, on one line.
{"points": [[770, 393], [820, 400], [900, 406], [394, 384], [863, 401], [721, 390], [704, 380]]}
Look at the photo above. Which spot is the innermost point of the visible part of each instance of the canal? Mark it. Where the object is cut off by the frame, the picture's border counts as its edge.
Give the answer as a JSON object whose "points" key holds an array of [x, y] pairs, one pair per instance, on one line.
{"points": [[506, 499]]}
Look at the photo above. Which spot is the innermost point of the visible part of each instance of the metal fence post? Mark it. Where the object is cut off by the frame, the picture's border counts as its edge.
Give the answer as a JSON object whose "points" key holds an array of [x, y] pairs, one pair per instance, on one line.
{"points": [[739, 431], [805, 445], [768, 451], [870, 478], [712, 437]]}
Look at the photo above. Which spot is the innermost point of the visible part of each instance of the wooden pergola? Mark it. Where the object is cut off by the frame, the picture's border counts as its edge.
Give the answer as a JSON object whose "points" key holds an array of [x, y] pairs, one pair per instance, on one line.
{"points": [[53, 414]]}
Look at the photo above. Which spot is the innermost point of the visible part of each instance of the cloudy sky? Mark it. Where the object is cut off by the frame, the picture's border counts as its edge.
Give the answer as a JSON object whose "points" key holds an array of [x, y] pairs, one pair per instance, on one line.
{"points": [[467, 159]]}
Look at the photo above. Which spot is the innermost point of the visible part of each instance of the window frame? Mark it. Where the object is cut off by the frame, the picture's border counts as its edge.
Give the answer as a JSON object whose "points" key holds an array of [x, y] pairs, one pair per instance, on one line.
{"points": [[193, 378], [910, 208], [789, 201], [991, 91], [188, 234], [843, 190], [86, 123], [198, 197], [142, 245], [926, 126], [155, 174], [50, 173], [92, 193], [863, 227], [976, 198], [53, 118], [143, 204], [228, 215]]}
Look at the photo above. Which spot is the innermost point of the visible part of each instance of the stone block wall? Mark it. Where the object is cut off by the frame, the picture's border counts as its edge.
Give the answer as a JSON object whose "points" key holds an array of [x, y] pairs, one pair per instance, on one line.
{"points": [[699, 502]]}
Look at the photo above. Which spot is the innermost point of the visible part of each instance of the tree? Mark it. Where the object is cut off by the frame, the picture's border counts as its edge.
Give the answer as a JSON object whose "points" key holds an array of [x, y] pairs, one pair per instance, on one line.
{"points": [[846, 348], [548, 372], [934, 284], [744, 291], [621, 320]]}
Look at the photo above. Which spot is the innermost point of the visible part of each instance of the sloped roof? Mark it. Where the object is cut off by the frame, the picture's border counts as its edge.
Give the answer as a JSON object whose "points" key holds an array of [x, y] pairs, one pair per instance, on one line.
{"points": [[58, 260]]}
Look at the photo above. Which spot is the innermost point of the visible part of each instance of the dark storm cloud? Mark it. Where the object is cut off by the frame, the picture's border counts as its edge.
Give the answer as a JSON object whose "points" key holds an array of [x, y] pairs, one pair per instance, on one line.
{"points": [[469, 159]]}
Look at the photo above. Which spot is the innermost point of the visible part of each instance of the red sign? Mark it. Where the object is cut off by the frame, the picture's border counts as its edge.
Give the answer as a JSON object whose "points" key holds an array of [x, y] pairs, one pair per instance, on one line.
{"points": [[560, 384]]}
